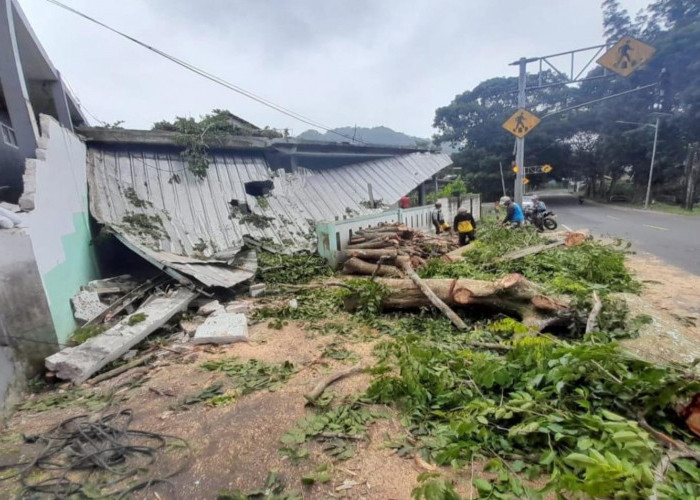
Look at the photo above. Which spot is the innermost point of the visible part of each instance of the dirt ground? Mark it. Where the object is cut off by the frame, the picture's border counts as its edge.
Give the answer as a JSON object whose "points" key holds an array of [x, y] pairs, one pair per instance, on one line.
{"points": [[236, 445]]}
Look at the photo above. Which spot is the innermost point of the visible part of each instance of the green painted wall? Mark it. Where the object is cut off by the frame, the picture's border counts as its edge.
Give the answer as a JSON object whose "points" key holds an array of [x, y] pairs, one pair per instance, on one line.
{"points": [[64, 280]]}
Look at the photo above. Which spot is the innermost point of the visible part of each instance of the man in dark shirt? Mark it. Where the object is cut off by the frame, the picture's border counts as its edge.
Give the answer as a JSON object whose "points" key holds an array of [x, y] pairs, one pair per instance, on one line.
{"points": [[465, 226]]}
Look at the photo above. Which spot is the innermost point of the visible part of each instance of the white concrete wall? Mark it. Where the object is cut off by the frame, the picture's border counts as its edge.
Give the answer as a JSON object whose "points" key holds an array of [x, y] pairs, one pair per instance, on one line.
{"points": [[58, 224]]}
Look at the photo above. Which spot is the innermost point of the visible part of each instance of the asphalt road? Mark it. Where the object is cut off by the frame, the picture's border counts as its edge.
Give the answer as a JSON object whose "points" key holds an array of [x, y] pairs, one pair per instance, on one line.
{"points": [[673, 238]]}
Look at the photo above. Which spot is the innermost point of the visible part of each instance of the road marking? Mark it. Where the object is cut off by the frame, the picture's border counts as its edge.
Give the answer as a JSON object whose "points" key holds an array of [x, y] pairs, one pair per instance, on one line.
{"points": [[567, 228], [612, 217], [656, 227]]}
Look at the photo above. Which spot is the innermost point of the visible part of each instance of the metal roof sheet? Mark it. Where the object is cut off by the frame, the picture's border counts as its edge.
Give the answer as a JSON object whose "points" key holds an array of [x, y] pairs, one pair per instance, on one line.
{"points": [[148, 196]]}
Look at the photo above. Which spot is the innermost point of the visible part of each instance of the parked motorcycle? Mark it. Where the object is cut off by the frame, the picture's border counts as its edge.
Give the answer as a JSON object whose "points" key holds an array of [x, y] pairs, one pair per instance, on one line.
{"points": [[543, 221]]}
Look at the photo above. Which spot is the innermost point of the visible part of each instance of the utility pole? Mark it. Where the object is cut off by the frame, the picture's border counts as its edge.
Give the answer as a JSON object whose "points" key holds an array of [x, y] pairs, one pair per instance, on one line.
{"points": [[520, 141], [651, 167]]}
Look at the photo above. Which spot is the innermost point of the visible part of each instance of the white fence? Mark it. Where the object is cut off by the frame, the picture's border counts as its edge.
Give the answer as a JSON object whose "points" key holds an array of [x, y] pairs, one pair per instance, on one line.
{"points": [[333, 236]]}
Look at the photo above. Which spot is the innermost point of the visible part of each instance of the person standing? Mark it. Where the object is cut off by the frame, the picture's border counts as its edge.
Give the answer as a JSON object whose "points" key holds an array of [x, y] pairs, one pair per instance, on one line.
{"points": [[514, 214], [437, 218], [465, 226], [405, 202]]}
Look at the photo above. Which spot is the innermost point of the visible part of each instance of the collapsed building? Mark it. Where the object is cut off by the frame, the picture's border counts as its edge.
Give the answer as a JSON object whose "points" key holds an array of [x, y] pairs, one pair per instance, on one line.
{"points": [[63, 184], [257, 193]]}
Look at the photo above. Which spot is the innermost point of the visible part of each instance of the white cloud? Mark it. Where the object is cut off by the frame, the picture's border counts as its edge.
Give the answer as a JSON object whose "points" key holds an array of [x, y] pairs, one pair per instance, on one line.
{"points": [[341, 62]]}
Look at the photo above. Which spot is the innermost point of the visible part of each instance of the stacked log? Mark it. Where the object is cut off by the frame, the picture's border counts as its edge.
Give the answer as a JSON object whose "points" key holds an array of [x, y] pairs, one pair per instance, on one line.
{"points": [[373, 251]]}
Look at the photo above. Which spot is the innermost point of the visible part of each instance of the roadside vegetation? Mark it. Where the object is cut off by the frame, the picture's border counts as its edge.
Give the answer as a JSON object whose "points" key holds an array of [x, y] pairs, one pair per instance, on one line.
{"points": [[565, 414]]}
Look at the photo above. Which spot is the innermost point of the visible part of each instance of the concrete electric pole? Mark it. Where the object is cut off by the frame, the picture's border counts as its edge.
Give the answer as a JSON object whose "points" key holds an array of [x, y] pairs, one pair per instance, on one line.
{"points": [[520, 141]]}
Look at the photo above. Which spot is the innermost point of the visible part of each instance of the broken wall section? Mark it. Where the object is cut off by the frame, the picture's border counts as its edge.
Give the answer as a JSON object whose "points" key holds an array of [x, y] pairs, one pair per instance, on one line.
{"points": [[46, 260], [56, 196]]}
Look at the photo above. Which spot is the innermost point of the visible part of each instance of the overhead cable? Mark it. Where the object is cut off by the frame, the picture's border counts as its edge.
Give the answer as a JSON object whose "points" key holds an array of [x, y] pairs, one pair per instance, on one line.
{"points": [[207, 75]]}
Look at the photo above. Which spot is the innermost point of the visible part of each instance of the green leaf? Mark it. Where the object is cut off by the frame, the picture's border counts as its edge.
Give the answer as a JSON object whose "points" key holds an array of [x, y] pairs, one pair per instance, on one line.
{"points": [[548, 457], [482, 485], [612, 416], [579, 460], [584, 443]]}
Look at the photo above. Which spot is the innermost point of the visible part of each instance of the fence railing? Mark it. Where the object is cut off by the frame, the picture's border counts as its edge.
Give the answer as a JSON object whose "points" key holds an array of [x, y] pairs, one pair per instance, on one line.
{"points": [[333, 236]]}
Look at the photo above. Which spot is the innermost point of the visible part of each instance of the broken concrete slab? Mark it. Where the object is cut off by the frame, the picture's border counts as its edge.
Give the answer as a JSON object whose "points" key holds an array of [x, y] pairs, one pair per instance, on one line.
{"points": [[222, 329], [117, 284], [79, 363], [209, 308], [258, 289], [86, 305]]}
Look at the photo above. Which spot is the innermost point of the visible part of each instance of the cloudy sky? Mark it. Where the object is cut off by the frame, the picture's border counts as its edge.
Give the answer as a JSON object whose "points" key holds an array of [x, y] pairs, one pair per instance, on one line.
{"points": [[340, 62]]}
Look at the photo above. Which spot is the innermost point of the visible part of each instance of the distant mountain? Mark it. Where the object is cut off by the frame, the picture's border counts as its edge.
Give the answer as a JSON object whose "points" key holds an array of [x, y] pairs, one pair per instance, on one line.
{"points": [[374, 135]]}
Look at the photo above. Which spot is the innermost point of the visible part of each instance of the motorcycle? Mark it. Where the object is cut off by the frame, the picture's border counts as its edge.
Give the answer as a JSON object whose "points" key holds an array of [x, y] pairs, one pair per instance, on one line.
{"points": [[542, 221]]}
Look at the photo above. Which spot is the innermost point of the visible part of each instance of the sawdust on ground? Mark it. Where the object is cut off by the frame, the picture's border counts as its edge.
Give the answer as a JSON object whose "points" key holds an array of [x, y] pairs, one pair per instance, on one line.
{"points": [[234, 446]]}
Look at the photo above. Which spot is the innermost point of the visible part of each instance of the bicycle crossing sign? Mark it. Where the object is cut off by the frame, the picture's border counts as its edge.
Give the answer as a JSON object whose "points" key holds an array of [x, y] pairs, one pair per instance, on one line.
{"points": [[626, 56], [521, 122]]}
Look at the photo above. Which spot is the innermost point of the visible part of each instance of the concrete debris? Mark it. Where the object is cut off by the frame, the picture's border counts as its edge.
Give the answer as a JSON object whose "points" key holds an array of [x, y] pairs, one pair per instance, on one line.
{"points": [[130, 355], [293, 303], [189, 326], [239, 306], [79, 363], [8, 219], [222, 329], [118, 284], [86, 305], [258, 289], [209, 308]]}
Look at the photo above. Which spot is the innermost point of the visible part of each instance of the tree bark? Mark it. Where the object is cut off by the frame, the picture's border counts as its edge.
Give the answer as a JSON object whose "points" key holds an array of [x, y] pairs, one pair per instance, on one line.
{"points": [[595, 311], [371, 254], [512, 294], [384, 242], [358, 266], [405, 264]]}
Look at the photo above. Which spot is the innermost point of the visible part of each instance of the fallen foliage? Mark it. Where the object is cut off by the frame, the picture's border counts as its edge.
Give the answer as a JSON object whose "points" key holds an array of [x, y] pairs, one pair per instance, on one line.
{"points": [[291, 269]]}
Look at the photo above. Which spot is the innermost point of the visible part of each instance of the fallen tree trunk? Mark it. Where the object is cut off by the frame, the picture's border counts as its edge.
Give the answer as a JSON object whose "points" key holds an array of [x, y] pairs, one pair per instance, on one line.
{"points": [[358, 266], [513, 295]]}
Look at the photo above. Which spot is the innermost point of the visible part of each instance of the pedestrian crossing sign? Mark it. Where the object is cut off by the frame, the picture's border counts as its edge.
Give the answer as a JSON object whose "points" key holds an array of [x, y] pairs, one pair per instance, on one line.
{"points": [[521, 122], [626, 56]]}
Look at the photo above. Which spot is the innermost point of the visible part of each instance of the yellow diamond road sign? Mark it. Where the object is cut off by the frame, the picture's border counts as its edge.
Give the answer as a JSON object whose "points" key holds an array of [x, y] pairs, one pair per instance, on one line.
{"points": [[521, 123], [546, 168], [626, 56]]}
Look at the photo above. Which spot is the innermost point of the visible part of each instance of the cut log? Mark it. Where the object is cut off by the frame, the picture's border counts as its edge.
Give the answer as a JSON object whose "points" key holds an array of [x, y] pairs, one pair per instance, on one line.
{"points": [[512, 294], [405, 264], [358, 266], [575, 238], [384, 242], [369, 254]]}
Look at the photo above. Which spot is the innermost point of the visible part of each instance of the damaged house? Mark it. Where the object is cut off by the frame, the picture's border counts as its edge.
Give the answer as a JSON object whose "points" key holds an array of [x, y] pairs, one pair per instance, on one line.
{"points": [[63, 183], [257, 193]]}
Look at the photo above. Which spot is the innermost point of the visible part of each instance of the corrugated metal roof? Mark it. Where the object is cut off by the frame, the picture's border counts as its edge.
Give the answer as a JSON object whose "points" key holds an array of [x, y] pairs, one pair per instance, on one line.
{"points": [[150, 198]]}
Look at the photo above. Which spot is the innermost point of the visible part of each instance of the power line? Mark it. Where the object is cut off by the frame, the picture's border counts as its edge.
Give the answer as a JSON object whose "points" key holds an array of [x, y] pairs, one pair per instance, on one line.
{"points": [[207, 75]]}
